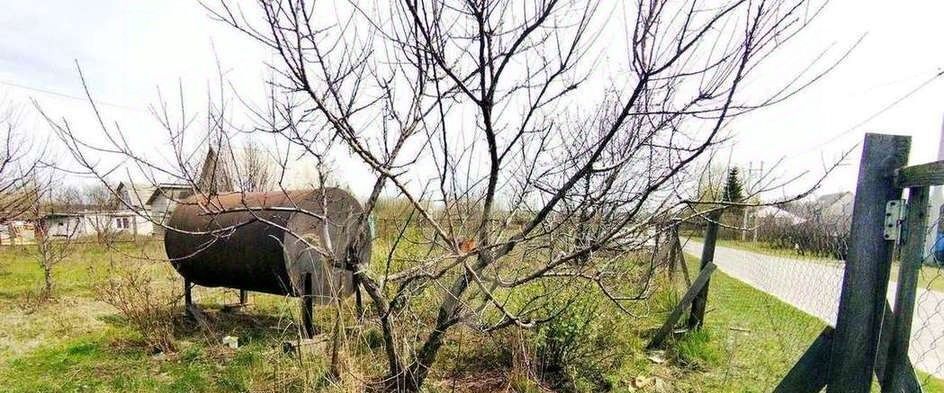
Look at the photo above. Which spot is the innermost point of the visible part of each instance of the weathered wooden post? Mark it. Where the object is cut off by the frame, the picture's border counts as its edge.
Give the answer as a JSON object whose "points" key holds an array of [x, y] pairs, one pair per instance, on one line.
{"points": [[896, 374], [697, 316], [865, 281]]}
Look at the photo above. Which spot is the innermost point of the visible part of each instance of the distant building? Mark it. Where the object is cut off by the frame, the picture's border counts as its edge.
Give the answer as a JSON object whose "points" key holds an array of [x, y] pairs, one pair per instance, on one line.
{"points": [[92, 223], [835, 205], [777, 215], [17, 231], [162, 202], [141, 212], [142, 209]]}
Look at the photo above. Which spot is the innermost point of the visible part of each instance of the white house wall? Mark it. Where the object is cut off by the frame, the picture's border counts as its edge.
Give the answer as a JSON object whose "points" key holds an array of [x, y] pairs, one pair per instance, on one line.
{"points": [[90, 225], [65, 226]]}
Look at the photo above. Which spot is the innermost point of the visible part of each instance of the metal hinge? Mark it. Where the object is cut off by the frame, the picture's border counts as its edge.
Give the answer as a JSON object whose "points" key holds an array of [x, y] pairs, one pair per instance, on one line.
{"points": [[894, 214]]}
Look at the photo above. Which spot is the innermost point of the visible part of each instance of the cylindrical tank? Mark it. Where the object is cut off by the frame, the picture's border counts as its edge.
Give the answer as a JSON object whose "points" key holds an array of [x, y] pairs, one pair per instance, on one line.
{"points": [[267, 241]]}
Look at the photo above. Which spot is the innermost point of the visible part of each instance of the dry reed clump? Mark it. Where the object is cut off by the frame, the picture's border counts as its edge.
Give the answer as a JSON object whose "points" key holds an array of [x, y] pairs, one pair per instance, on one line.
{"points": [[142, 302]]}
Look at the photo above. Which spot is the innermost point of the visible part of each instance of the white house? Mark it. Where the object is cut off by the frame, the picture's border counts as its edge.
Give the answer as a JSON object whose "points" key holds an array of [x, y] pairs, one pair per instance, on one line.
{"points": [[162, 202], [142, 210], [92, 223]]}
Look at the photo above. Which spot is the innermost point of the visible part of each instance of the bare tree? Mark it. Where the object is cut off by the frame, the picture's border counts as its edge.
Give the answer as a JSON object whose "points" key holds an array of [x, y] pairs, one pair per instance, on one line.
{"points": [[18, 164], [524, 161], [99, 199], [256, 170], [52, 248]]}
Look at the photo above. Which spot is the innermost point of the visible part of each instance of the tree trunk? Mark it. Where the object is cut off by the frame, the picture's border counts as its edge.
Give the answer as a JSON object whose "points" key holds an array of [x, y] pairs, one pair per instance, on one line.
{"points": [[411, 380], [47, 279]]}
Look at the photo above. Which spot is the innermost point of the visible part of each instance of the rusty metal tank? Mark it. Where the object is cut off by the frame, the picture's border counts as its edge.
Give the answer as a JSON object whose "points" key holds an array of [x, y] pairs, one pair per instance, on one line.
{"points": [[268, 241]]}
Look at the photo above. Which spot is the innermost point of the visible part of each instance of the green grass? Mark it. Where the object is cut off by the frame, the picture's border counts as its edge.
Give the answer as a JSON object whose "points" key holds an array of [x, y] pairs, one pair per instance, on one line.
{"points": [[78, 344], [74, 343], [758, 336]]}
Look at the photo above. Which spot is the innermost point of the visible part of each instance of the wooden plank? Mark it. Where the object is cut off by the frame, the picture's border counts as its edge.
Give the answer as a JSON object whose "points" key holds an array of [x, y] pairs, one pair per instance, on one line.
{"points": [[680, 258], [924, 175], [811, 371], [200, 317], [912, 257], [865, 281], [881, 358], [809, 374], [700, 304], [683, 305]]}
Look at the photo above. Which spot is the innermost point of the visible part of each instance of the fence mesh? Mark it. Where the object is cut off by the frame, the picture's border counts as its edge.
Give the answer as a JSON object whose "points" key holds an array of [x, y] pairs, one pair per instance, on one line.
{"points": [[771, 297], [927, 335], [774, 294]]}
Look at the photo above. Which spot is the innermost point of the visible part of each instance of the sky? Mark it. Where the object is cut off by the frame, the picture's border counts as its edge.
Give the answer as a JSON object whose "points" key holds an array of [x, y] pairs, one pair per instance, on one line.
{"points": [[128, 50]]}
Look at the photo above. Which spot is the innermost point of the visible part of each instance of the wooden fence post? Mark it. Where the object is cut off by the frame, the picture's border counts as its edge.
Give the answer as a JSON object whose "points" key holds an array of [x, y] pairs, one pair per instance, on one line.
{"points": [[865, 281], [913, 251], [697, 317], [669, 325]]}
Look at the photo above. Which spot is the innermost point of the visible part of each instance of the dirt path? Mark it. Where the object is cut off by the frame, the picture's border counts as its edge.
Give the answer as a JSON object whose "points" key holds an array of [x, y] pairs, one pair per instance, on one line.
{"points": [[814, 287]]}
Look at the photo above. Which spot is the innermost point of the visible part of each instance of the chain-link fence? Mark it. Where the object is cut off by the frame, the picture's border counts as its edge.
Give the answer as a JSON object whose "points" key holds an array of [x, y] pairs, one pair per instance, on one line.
{"points": [[927, 330], [782, 300], [768, 301]]}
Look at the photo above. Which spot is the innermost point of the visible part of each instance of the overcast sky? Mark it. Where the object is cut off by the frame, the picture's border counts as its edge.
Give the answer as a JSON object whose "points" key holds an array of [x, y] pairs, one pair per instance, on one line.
{"points": [[127, 49]]}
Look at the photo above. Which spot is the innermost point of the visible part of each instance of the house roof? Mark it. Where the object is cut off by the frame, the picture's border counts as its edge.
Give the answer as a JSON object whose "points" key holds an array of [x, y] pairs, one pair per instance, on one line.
{"points": [[61, 214], [119, 213], [141, 195], [839, 203], [776, 212], [138, 194], [164, 187]]}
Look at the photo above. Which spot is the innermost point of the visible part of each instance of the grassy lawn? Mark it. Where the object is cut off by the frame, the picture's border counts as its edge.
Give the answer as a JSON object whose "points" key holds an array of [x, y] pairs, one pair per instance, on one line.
{"points": [[759, 336], [76, 343]]}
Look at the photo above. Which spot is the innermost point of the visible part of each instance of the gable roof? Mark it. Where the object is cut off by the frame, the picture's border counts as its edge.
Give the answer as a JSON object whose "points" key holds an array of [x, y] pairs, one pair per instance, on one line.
{"points": [[215, 175], [137, 194], [167, 190]]}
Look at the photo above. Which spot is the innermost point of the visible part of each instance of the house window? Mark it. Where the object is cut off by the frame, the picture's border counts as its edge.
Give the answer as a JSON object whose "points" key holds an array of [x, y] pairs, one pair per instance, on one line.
{"points": [[124, 221]]}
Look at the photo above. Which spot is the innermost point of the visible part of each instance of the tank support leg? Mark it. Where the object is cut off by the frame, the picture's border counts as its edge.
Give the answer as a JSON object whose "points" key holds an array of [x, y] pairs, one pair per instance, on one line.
{"points": [[308, 328], [358, 303], [190, 309], [188, 297]]}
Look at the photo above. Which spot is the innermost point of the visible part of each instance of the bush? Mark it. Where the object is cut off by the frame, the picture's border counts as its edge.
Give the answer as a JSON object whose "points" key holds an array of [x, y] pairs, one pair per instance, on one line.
{"points": [[577, 349], [145, 305]]}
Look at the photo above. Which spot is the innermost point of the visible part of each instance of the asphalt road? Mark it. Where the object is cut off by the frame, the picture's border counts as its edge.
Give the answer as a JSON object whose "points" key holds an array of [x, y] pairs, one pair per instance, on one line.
{"points": [[814, 286]]}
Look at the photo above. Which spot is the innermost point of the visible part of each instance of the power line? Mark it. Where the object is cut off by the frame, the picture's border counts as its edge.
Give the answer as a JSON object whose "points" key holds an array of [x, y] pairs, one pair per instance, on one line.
{"points": [[878, 113], [69, 96]]}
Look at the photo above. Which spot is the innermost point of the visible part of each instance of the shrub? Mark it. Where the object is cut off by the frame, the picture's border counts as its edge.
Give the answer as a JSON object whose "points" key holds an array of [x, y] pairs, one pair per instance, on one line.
{"points": [[146, 306], [577, 349]]}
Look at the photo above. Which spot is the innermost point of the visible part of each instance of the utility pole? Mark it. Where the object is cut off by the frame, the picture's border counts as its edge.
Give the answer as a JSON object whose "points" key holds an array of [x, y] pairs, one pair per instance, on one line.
{"points": [[747, 181]]}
